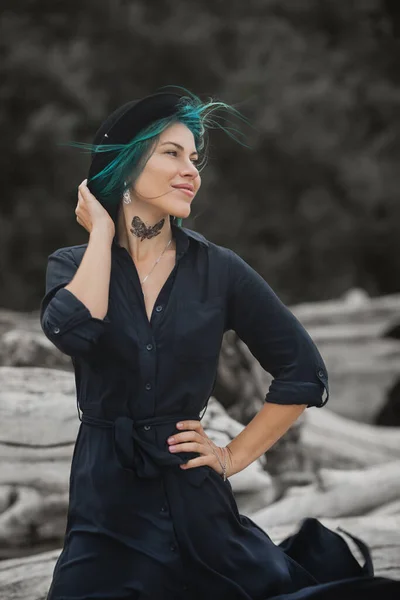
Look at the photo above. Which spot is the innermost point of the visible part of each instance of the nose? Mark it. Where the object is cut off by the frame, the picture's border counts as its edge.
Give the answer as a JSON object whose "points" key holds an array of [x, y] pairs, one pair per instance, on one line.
{"points": [[189, 170]]}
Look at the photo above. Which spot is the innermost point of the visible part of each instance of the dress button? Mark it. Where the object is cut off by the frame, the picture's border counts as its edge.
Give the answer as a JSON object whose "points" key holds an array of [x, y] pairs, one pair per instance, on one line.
{"points": [[159, 308], [163, 509], [172, 547], [147, 427], [321, 373], [148, 386], [56, 330], [149, 346]]}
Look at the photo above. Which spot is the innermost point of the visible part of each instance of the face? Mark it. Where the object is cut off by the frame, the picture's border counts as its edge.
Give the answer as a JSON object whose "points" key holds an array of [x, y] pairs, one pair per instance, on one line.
{"points": [[159, 189]]}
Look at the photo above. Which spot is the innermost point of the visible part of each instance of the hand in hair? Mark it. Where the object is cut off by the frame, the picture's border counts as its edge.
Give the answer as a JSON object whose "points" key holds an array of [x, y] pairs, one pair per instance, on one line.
{"points": [[90, 214]]}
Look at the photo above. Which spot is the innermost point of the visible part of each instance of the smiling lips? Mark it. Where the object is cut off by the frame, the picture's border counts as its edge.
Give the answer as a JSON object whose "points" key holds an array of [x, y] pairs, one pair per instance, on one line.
{"points": [[186, 189]]}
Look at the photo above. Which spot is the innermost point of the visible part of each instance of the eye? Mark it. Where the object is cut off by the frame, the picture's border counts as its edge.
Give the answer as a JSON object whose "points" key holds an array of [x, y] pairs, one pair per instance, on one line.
{"points": [[195, 161]]}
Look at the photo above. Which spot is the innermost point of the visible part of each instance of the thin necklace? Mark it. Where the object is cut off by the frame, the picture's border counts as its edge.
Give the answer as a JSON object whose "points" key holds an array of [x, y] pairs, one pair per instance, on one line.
{"points": [[157, 261]]}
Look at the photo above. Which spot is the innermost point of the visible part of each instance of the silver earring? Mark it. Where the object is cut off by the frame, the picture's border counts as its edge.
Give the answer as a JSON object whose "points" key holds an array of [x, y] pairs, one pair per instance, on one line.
{"points": [[126, 195]]}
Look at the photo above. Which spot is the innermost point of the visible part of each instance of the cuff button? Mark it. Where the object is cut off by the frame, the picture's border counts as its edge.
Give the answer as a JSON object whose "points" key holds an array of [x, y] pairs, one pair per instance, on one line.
{"points": [[321, 373]]}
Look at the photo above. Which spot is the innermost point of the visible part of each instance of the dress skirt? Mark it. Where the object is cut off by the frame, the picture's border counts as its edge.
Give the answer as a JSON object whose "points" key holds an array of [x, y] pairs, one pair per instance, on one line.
{"points": [[133, 534]]}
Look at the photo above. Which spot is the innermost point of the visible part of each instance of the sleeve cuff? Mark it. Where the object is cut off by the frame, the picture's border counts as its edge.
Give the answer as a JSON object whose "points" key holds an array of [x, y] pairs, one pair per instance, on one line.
{"points": [[69, 325], [300, 392], [66, 311]]}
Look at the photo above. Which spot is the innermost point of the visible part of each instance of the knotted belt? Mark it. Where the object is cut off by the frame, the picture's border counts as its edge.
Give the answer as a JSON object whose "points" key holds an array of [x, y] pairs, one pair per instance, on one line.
{"points": [[143, 456]]}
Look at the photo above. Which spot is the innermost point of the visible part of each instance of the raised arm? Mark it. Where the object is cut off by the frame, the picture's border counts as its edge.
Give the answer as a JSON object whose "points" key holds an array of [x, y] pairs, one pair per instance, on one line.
{"points": [[276, 338], [73, 310]]}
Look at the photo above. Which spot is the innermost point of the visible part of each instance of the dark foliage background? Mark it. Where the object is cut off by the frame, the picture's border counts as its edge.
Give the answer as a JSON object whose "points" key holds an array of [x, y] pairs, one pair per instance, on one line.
{"points": [[313, 206]]}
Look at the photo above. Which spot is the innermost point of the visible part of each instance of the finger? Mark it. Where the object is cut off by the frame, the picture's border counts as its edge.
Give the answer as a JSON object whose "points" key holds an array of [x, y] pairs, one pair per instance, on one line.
{"points": [[186, 436], [188, 447], [201, 461], [85, 192], [195, 425]]}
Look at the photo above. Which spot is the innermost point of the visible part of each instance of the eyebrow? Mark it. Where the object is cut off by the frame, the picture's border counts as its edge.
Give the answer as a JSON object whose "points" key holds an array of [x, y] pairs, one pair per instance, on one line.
{"points": [[178, 146]]}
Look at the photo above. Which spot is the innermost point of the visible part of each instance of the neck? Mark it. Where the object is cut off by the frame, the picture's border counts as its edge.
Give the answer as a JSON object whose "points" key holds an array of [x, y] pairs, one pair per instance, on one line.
{"points": [[144, 237]]}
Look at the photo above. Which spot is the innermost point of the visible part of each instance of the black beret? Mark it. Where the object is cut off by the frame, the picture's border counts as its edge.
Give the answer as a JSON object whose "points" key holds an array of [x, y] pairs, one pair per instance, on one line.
{"points": [[121, 126]]}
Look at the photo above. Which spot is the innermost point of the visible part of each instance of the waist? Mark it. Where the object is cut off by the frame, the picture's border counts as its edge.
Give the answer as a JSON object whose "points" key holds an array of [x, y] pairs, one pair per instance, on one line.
{"points": [[144, 423], [140, 449]]}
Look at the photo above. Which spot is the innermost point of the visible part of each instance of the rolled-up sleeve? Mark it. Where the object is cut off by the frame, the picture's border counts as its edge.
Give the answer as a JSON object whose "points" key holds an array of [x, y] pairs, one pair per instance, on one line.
{"points": [[65, 320], [276, 338]]}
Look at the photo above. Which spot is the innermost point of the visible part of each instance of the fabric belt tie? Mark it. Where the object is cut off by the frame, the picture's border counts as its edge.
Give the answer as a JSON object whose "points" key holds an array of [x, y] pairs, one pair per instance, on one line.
{"points": [[143, 456]]}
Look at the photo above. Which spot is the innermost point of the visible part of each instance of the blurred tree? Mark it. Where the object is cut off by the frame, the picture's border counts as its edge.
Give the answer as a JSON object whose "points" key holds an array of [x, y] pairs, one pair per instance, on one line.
{"points": [[312, 206]]}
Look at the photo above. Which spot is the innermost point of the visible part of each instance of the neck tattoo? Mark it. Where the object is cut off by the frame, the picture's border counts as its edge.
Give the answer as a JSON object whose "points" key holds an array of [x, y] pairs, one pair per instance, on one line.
{"points": [[140, 230]]}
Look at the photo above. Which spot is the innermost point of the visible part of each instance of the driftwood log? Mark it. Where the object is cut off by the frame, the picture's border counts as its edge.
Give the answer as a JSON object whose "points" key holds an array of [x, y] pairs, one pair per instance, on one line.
{"points": [[328, 439], [336, 494]]}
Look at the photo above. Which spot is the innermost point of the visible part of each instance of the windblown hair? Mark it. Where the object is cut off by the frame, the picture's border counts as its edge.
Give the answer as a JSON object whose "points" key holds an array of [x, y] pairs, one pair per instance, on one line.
{"points": [[131, 158]]}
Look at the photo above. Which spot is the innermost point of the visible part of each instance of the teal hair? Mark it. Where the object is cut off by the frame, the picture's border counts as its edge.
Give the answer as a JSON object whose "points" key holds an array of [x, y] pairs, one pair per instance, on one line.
{"points": [[130, 160]]}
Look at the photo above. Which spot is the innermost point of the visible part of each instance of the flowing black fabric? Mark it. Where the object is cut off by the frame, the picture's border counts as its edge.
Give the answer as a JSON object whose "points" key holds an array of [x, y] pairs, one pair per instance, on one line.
{"points": [[138, 526]]}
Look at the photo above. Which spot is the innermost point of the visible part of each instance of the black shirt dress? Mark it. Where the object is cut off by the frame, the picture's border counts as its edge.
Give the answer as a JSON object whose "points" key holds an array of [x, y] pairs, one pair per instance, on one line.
{"points": [[138, 526]]}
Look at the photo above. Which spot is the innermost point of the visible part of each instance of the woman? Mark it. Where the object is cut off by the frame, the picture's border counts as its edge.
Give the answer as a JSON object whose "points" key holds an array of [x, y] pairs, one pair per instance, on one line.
{"points": [[142, 309]]}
